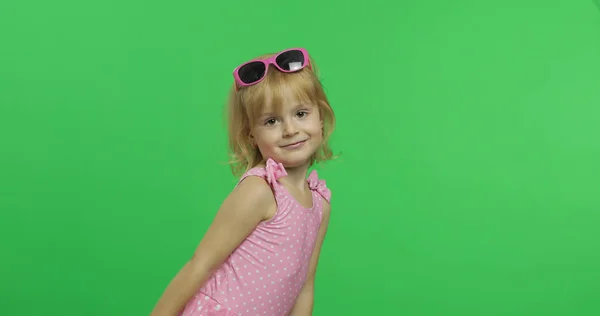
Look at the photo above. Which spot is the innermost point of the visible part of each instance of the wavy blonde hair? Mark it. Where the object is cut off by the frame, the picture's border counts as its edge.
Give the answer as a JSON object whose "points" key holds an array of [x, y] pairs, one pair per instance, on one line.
{"points": [[246, 103]]}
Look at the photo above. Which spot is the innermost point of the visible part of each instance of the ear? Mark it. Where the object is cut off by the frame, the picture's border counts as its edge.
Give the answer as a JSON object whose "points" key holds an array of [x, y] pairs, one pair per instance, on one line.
{"points": [[322, 128], [252, 140]]}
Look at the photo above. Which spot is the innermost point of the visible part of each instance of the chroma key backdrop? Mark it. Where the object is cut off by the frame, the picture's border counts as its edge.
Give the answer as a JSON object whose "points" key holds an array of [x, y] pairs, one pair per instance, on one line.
{"points": [[468, 133]]}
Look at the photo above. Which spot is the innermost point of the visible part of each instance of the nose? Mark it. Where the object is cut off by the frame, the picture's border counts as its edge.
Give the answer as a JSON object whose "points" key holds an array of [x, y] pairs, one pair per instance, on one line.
{"points": [[289, 129]]}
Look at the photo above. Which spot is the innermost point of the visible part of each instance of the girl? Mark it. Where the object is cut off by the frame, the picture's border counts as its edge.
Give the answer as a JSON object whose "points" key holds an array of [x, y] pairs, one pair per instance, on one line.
{"points": [[260, 254]]}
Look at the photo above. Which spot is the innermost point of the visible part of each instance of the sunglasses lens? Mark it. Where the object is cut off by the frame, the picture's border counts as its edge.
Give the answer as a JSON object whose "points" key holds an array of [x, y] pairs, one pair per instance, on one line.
{"points": [[291, 60], [251, 72]]}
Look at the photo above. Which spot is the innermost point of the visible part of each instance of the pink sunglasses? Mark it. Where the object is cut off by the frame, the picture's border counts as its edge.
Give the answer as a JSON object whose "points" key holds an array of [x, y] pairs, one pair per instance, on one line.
{"points": [[254, 71]]}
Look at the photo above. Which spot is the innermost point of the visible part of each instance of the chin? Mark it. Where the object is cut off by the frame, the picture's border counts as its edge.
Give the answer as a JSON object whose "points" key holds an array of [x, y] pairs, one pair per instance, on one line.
{"points": [[292, 162], [293, 158], [295, 164]]}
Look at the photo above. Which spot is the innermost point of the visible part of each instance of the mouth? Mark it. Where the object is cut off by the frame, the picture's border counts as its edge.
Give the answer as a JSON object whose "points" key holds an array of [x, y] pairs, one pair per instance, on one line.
{"points": [[294, 145]]}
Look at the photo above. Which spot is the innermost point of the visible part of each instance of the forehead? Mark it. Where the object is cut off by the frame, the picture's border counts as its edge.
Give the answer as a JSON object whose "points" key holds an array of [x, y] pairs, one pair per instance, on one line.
{"points": [[279, 93], [284, 107], [287, 94], [282, 100]]}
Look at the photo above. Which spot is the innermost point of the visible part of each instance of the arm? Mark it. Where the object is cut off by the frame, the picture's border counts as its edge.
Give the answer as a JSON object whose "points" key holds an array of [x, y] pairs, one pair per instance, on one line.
{"points": [[305, 301], [246, 206]]}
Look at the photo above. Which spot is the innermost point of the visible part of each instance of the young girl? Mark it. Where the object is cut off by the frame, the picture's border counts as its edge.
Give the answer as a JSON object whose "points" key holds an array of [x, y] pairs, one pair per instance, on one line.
{"points": [[260, 254]]}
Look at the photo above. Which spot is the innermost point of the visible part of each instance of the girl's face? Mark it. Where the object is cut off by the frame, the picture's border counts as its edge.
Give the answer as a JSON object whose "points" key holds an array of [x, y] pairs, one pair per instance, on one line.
{"points": [[290, 135]]}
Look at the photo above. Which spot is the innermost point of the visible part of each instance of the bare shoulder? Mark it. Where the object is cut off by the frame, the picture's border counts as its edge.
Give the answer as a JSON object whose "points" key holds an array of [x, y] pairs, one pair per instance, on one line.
{"points": [[243, 209], [326, 209], [253, 194]]}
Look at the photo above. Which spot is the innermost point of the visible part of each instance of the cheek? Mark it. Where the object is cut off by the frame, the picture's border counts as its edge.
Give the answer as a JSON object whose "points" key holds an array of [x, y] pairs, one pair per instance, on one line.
{"points": [[316, 128], [266, 138]]}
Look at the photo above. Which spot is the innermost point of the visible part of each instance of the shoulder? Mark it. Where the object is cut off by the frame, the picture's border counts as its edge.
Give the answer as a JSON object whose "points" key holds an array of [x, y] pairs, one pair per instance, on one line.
{"points": [[253, 186], [326, 208], [319, 185], [252, 195]]}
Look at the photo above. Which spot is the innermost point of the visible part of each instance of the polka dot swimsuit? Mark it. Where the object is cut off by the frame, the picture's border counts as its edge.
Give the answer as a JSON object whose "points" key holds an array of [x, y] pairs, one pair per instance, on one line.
{"points": [[266, 272]]}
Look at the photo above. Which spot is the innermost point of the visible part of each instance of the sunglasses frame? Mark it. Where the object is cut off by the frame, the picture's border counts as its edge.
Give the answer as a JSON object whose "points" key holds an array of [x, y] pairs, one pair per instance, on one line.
{"points": [[270, 61]]}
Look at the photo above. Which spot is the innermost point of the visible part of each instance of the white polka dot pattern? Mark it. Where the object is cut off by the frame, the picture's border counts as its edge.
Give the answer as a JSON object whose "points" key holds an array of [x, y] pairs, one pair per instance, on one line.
{"points": [[203, 305], [265, 274]]}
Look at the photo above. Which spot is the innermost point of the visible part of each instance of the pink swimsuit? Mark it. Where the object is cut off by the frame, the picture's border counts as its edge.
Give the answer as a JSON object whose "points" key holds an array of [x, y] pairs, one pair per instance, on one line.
{"points": [[265, 274]]}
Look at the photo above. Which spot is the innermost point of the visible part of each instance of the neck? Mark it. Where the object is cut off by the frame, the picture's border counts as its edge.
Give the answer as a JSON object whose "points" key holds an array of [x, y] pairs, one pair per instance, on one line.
{"points": [[296, 176]]}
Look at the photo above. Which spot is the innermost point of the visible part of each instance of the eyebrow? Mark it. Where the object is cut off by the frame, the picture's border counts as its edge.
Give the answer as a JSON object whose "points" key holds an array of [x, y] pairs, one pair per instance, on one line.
{"points": [[301, 105], [295, 108], [266, 115]]}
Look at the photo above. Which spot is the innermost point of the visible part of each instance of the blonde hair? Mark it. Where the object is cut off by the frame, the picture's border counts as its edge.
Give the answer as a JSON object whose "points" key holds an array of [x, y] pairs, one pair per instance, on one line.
{"points": [[246, 103]]}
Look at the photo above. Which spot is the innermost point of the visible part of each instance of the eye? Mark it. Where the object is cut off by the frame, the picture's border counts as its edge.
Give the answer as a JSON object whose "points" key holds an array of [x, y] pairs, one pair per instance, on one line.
{"points": [[270, 121], [302, 114]]}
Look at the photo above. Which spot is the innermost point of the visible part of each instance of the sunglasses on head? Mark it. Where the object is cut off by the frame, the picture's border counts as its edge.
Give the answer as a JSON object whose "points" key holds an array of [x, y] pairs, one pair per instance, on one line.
{"points": [[254, 71]]}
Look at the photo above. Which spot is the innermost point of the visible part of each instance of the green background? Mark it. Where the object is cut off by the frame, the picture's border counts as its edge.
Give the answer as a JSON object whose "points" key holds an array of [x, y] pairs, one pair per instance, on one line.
{"points": [[468, 182]]}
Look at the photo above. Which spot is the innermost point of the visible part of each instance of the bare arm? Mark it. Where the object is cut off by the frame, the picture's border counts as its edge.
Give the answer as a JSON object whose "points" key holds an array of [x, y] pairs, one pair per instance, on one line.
{"points": [[305, 301], [246, 206]]}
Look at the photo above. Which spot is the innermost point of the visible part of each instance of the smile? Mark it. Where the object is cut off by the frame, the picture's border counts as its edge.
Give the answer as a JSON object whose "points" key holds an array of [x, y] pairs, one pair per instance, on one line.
{"points": [[294, 145]]}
